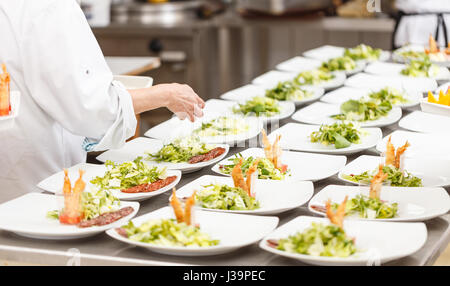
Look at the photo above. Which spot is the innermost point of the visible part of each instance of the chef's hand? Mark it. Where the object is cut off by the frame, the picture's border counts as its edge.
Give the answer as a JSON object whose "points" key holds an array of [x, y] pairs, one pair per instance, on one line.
{"points": [[178, 98], [182, 100]]}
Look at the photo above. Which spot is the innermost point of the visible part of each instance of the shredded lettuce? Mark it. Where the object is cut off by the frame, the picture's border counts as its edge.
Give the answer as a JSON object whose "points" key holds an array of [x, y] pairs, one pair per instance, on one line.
{"points": [[363, 52], [224, 197], [288, 90], [222, 126], [372, 208], [344, 63], [396, 177], [313, 77], [259, 106], [180, 150], [341, 134], [363, 110]]}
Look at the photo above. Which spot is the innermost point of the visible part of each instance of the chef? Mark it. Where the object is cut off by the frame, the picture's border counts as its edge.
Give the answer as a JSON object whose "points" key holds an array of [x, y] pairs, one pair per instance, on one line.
{"points": [[418, 19], [69, 101]]}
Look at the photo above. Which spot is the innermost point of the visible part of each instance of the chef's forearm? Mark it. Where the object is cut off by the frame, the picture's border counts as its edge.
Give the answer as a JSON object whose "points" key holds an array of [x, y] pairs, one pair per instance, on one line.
{"points": [[145, 99]]}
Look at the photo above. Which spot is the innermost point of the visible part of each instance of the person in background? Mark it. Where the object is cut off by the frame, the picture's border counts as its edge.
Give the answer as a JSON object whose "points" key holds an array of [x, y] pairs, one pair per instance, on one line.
{"points": [[69, 101], [418, 19]]}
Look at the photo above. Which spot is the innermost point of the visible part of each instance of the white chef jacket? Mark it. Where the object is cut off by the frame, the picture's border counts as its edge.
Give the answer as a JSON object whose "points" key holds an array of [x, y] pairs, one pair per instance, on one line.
{"points": [[416, 29], [67, 93]]}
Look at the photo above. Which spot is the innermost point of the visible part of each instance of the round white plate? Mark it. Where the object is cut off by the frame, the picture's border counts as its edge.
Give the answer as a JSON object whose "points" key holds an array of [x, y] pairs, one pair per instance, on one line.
{"points": [[273, 196], [232, 230], [139, 146], [295, 136], [426, 122], [27, 217], [365, 80]]}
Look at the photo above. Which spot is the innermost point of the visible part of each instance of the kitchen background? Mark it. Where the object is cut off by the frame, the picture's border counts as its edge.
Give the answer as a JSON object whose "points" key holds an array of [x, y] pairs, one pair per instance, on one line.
{"points": [[217, 45]]}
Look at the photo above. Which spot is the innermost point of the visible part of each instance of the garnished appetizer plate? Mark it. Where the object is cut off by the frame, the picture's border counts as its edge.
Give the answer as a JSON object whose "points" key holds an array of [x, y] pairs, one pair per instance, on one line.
{"points": [[365, 80], [402, 98], [28, 216], [219, 232], [426, 122], [127, 181], [394, 69], [298, 64], [397, 203], [367, 239], [337, 138], [420, 172], [434, 145], [298, 96], [167, 155], [225, 129], [296, 166], [218, 193], [361, 53], [321, 113]]}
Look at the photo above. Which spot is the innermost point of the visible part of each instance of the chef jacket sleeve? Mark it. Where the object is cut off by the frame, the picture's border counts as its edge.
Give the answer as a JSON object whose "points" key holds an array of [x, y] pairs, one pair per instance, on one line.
{"points": [[68, 77]]}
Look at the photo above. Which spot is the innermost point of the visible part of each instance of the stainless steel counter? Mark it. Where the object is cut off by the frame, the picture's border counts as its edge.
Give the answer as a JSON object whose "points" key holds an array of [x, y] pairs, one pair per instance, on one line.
{"points": [[103, 250]]}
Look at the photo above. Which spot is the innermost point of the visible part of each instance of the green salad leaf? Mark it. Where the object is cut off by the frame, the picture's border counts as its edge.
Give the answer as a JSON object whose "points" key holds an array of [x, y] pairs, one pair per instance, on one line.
{"points": [[420, 68], [344, 63], [396, 177], [390, 94], [288, 90], [372, 208], [260, 106], [266, 169], [363, 52], [319, 240], [341, 134], [222, 126], [168, 232], [362, 110], [224, 197], [313, 77], [180, 150], [413, 55], [129, 174]]}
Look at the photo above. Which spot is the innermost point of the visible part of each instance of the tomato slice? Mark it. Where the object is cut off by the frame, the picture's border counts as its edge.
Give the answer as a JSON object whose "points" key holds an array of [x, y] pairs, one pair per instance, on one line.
{"points": [[65, 219]]}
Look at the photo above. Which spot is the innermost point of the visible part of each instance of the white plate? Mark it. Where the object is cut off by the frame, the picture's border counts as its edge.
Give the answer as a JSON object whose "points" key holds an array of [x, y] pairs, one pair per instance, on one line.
{"points": [[371, 239], [272, 78], [393, 69], [414, 204], [175, 128], [345, 93], [248, 91], [319, 113], [295, 136], [27, 217], [302, 166], [434, 108], [139, 146], [54, 183], [365, 80], [233, 230], [433, 172], [274, 196], [434, 145], [7, 122], [298, 64], [398, 58], [426, 122], [327, 52]]}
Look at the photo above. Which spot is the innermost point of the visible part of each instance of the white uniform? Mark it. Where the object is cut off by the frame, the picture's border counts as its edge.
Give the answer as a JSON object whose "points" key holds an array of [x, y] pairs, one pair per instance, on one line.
{"points": [[421, 20], [67, 93]]}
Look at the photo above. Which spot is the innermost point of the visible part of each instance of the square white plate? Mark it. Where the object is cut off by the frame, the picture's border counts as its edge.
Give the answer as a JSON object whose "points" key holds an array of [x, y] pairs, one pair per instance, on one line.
{"points": [[298, 64], [302, 166], [175, 128], [345, 93], [139, 146], [327, 52], [426, 122], [414, 204], [249, 91], [433, 172], [295, 136], [54, 183], [271, 78], [370, 238], [319, 113], [434, 108], [434, 145], [393, 69], [233, 230], [273, 196], [365, 80], [26, 216]]}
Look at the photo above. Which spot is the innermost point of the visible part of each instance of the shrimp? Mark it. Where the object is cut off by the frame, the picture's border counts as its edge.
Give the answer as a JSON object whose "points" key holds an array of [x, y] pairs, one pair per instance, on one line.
{"points": [[268, 150], [276, 152], [176, 205], [399, 153], [337, 217], [188, 209], [238, 177], [376, 183], [79, 184], [390, 152], [67, 188], [433, 45], [253, 168]]}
